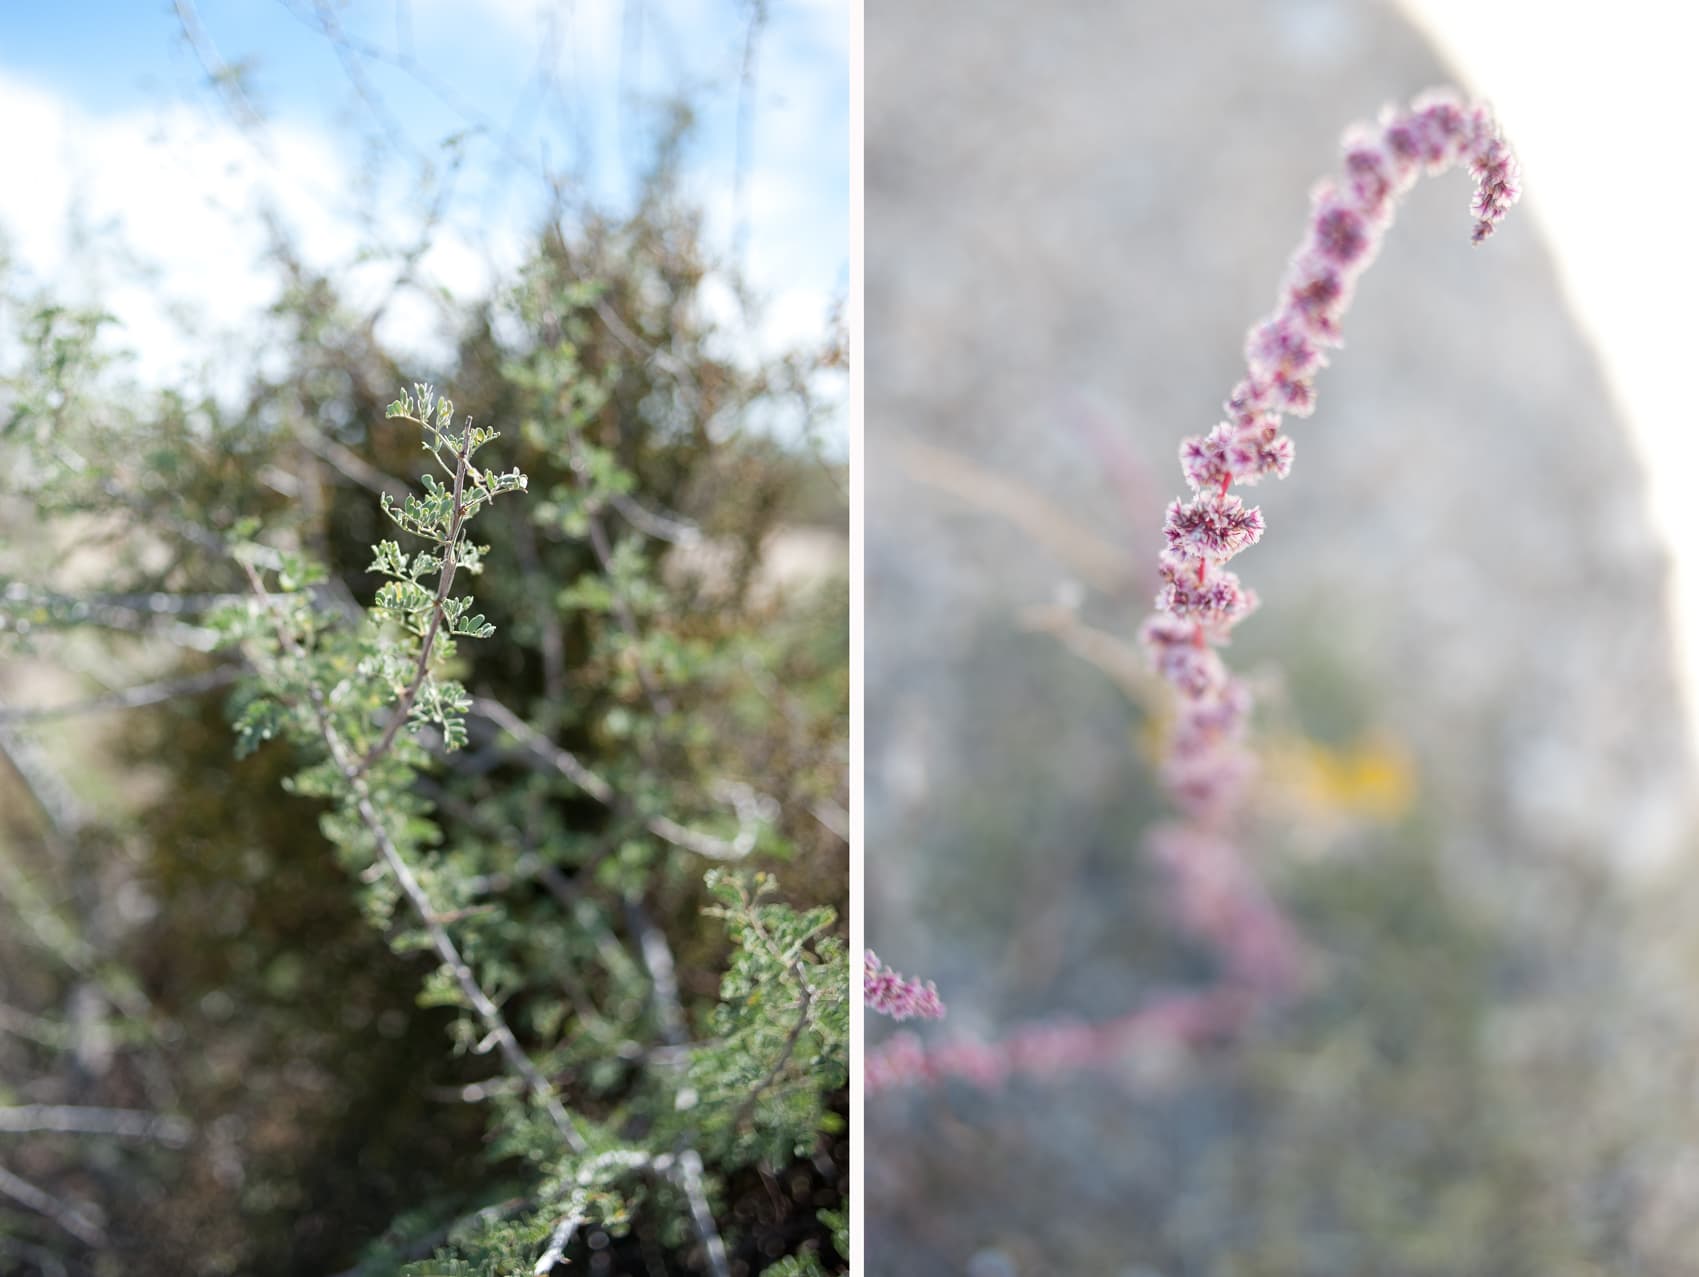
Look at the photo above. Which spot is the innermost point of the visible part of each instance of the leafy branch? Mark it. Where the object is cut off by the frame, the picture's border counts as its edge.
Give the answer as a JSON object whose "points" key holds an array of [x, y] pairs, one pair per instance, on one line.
{"points": [[440, 518]]}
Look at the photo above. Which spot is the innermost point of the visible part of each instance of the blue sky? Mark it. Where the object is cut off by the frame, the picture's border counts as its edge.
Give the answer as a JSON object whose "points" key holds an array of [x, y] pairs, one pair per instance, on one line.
{"points": [[118, 141]]}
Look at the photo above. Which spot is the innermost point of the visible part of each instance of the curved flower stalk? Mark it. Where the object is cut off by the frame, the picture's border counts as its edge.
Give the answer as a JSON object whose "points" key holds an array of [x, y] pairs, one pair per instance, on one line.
{"points": [[1207, 768]]}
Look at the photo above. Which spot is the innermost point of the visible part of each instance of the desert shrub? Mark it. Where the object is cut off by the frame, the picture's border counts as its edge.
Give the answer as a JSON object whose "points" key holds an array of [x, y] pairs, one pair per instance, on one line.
{"points": [[481, 936]]}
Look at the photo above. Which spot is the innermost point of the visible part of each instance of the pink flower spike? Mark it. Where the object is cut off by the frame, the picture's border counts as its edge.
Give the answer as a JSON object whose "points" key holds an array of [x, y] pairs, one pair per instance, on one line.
{"points": [[1206, 769], [892, 994]]}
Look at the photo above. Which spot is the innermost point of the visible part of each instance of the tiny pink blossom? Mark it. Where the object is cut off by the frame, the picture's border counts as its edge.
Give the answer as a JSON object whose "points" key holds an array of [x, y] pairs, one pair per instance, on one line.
{"points": [[1211, 526], [892, 994], [1225, 713], [1207, 769], [1218, 601], [1283, 352], [1204, 457], [1236, 453], [899, 1060], [1497, 185], [1205, 724], [1339, 231], [1182, 657], [1282, 344], [1404, 143], [1444, 129], [1369, 173], [1317, 293], [1208, 785]]}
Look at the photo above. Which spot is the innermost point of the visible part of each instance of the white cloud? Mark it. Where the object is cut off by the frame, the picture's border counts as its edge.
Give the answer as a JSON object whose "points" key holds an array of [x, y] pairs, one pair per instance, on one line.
{"points": [[160, 215], [152, 212]]}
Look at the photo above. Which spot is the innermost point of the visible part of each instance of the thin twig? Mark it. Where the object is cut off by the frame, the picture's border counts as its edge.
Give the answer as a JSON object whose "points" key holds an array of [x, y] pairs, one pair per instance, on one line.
{"points": [[129, 1124], [688, 1176], [687, 1170], [156, 603], [671, 528], [59, 807], [218, 71], [559, 1240], [350, 464], [745, 131], [154, 693], [751, 808], [82, 1220]]}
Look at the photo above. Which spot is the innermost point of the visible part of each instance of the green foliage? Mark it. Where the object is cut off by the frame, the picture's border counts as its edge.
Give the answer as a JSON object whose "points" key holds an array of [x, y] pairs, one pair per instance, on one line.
{"points": [[780, 1031]]}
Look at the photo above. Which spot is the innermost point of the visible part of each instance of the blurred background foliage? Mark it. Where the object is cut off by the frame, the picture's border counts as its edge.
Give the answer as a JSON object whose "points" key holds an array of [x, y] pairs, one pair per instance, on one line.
{"points": [[177, 935]]}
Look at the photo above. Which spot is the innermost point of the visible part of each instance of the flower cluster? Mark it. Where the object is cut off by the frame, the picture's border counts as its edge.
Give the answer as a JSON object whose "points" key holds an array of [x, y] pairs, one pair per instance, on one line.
{"points": [[892, 994]]}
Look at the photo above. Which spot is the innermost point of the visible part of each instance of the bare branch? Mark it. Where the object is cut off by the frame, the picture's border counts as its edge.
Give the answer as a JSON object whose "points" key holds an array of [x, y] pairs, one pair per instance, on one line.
{"points": [[82, 1220], [752, 809], [667, 527], [688, 1176], [350, 464], [59, 807], [687, 1169], [128, 1124], [143, 694], [559, 1240], [561, 760], [218, 71]]}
